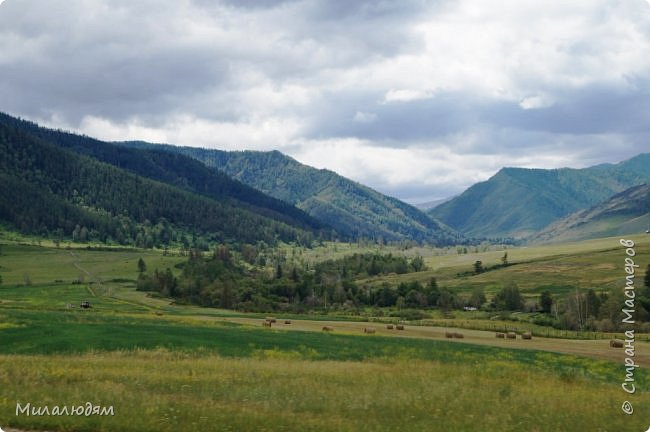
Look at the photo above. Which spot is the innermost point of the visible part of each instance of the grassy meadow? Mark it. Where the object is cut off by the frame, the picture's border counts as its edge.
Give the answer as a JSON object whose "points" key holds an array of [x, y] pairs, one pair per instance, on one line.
{"points": [[170, 391], [169, 367], [560, 268]]}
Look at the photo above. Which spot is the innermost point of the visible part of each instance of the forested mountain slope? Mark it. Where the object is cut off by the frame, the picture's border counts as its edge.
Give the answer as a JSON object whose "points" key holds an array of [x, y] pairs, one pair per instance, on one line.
{"points": [[49, 190], [349, 207]]}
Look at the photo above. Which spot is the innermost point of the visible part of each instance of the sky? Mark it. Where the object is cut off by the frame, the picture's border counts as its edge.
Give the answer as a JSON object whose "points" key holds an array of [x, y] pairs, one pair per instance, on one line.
{"points": [[417, 99]]}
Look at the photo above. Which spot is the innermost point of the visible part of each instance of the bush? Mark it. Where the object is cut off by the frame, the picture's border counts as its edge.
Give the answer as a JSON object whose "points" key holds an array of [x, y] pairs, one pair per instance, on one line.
{"points": [[544, 320], [509, 298]]}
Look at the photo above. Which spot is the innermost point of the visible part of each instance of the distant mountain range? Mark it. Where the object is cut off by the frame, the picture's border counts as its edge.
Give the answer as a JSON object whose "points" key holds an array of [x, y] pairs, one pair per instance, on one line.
{"points": [[349, 207], [519, 202], [432, 204], [54, 181], [627, 212]]}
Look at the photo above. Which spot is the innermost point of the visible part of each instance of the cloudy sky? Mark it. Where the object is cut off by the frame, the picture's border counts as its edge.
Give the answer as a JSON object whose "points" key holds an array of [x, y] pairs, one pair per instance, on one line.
{"points": [[418, 99]]}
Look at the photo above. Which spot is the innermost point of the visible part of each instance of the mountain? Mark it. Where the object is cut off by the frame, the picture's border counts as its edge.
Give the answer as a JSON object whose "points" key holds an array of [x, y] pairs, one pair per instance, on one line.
{"points": [[519, 202], [432, 204], [625, 213], [174, 169], [349, 207], [48, 187]]}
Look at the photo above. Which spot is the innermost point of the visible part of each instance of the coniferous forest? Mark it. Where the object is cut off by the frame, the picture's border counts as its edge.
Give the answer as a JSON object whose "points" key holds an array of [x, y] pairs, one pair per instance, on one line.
{"points": [[55, 192]]}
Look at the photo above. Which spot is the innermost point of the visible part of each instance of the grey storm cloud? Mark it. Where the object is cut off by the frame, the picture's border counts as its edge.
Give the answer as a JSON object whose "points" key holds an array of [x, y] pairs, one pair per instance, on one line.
{"points": [[401, 122], [375, 90], [112, 63], [119, 59], [582, 114]]}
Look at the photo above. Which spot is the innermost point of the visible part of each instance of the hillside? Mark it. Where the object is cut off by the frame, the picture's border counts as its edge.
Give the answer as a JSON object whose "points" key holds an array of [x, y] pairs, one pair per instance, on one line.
{"points": [[349, 207], [174, 169], [51, 191], [625, 213], [520, 202]]}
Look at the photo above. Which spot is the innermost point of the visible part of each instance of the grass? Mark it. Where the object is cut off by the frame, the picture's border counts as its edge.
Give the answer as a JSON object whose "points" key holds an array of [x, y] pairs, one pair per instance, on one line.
{"points": [[176, 368], [594, 264], [80, 332], [170, 391], [37, 265], [524, 326]]}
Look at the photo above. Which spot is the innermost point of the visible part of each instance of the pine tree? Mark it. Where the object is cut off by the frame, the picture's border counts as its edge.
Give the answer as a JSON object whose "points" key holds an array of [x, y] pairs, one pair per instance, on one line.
{"points": [[546, 301], [142, 267], [294, 275]]}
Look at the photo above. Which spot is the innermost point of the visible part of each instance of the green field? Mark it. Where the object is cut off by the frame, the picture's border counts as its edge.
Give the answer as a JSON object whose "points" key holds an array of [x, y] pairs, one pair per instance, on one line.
{"points": [[594, 264], [168, 367]]}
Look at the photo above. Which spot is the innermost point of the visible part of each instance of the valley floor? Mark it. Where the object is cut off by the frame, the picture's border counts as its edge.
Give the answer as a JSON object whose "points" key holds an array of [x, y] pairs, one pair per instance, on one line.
{"points": [[167, 367]]}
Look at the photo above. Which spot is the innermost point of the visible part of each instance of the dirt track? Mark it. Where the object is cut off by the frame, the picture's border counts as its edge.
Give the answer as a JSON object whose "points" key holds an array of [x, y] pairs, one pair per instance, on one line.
{"points": [[598, 349]]}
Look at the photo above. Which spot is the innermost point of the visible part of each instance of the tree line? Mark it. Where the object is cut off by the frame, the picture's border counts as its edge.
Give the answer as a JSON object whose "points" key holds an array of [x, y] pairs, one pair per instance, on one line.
{"points": [[221, 279]]}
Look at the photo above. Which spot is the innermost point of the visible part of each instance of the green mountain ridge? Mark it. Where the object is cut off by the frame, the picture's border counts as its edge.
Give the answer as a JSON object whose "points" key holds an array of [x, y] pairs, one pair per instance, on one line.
{"points": [[625, 213], [519, 202], [50, 190], [174, 169], [349, 207]]}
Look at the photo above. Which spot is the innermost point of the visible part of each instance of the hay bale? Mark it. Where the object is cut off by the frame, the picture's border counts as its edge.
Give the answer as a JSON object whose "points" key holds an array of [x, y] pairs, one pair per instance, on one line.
{"points": [[389, 326], [159, 313], [526, 335], [458, 335], [511, 335], [501, 335], [616, 343], [271, 319], [399, 327], [449, 335], [287, 321], [328, 328], [369, 330]]}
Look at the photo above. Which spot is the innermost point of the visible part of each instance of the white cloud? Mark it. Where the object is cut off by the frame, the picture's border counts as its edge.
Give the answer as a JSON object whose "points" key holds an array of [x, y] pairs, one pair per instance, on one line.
{"points": [[259, 134], [537, 101], [406, 95]]}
